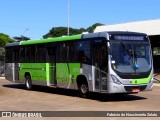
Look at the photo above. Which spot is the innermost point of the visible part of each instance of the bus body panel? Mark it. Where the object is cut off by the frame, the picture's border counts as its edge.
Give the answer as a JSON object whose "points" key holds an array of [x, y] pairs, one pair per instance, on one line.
{"points": [[9, 71], [37, 71], [12, 72], [66, 75]]}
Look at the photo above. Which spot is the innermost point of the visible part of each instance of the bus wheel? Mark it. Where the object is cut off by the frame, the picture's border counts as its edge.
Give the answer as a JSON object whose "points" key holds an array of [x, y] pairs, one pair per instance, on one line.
{"points": [[28, 82], [83, 90]]}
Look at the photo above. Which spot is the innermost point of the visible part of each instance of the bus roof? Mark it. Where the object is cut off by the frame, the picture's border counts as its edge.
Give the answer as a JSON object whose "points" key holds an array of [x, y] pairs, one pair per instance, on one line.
{"points": [[68, 38], [65, 38], [56, 39], [12, 44]]}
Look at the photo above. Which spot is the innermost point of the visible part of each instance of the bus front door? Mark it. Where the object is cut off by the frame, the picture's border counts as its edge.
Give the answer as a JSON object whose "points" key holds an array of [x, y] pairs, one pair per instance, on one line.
{"points": [[100, 80], [101, 67]]}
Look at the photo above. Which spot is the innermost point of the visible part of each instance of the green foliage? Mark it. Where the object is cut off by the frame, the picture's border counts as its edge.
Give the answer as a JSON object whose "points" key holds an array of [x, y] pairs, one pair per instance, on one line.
{"points": [[62, 31], [4, 39], [2, 52], [92, 28], [21, 38]]}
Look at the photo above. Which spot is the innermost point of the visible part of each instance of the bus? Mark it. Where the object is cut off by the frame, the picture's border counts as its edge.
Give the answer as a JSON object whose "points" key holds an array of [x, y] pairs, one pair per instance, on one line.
{"points": [[103, 62]]}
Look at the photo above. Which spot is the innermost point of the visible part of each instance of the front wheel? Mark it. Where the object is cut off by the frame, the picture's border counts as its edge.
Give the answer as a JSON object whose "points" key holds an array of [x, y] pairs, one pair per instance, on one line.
{"points": [[83, 90], [28, 82]]}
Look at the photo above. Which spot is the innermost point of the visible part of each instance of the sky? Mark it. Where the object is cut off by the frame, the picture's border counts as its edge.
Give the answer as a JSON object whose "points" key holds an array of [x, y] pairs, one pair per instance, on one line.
{"points": [[34, 18]]}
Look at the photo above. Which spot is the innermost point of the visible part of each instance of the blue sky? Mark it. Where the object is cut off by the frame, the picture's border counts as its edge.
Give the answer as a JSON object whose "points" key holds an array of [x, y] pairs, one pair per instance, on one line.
{"points": [[34, 18]]}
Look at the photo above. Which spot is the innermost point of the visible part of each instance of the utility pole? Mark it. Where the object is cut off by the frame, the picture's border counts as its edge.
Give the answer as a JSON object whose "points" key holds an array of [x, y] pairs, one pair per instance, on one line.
{"points": [[23, 33], [68, 16]]}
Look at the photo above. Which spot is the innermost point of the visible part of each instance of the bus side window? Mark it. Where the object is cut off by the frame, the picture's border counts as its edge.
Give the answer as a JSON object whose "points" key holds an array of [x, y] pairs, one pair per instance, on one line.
{"points": [[51, 54], [63, 52], [30, 53], [83, 51], [9, 55], [67, 51], [71, 51], [82, 57], [40, 53], [15, 54], [22, 54]]}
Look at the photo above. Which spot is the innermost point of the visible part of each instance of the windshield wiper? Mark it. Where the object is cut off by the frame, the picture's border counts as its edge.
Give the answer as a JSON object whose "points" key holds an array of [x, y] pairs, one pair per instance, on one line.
{"points": [[132, 55], [129, 52]]}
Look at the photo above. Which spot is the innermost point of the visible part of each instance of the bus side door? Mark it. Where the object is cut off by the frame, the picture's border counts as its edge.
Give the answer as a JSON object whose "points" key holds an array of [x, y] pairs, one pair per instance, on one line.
{"points": [[51, 58], [100, 61]]}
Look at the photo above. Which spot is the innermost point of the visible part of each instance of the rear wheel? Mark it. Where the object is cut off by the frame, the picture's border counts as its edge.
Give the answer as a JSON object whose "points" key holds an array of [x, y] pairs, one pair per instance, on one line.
{"points": [[28, 82], [83, 90]]}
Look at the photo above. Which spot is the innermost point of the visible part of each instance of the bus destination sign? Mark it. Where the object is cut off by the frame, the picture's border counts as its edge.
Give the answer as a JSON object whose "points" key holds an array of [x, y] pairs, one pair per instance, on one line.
{"points": [[128, 37]]}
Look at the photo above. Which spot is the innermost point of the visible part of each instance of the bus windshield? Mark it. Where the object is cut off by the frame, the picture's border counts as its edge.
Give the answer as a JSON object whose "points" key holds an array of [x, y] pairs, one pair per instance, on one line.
{"points": [[130, 56]]}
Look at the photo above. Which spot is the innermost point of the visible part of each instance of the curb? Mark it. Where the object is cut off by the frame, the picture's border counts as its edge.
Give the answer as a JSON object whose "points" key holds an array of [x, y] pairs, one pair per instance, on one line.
{"points": [[156, 84], [2, 78]]}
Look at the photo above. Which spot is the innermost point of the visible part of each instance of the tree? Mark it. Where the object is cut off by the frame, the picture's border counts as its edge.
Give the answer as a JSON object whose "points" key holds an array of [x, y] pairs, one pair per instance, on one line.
{"points": [[21, 38], [3, 40], [2, 52], [62, 31], [92, 28]]}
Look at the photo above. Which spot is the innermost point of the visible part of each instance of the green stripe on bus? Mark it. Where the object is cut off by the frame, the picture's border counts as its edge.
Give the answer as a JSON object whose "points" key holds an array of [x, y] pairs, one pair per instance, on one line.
{"points": [[57, 39], [142, 80], [47, 72]]}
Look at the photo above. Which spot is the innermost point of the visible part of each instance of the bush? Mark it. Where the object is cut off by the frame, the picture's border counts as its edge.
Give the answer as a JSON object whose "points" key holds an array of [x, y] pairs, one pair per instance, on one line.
{"points": [[2, 52]]}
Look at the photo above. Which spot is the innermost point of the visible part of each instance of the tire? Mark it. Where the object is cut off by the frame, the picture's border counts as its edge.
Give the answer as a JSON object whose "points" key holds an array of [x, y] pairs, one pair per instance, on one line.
{"points": [[83, 90], [28, 83]]}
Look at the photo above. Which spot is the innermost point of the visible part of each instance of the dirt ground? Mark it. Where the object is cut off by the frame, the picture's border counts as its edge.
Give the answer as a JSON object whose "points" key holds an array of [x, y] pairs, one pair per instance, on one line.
{"points": [[14, 97]]}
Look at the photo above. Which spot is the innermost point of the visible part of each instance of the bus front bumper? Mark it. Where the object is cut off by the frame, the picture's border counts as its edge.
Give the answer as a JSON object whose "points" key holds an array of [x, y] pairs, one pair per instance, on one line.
{"points": [[120, 88]]}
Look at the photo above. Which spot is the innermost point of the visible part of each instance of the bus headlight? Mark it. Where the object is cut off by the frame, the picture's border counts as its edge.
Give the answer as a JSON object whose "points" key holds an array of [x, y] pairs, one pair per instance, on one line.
{"points": [[115, 79]]}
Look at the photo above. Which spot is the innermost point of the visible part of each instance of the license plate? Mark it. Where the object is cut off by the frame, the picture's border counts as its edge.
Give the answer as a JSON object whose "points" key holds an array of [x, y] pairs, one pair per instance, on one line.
{"points": [[135, 90]]}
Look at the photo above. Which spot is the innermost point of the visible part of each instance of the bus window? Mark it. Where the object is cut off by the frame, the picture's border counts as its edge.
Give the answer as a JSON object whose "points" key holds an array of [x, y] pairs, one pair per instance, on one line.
{"points": [[40, 53], [67, 51], [8, 57], [15, 54], [30, 53], [22, 54], [51, 54], [64, 52], [83, 51]]}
